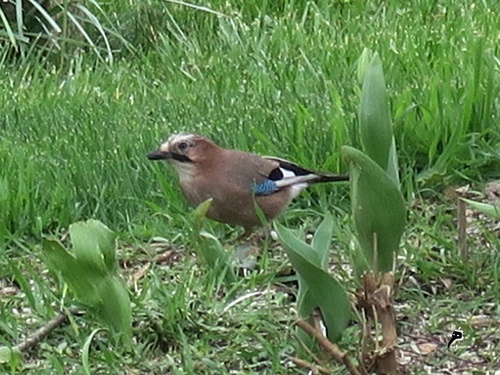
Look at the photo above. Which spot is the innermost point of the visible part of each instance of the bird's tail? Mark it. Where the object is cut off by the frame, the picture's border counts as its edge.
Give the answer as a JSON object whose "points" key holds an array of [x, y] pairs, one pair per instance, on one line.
{"points": [[329, 178], [311, 178], [306, 175]]}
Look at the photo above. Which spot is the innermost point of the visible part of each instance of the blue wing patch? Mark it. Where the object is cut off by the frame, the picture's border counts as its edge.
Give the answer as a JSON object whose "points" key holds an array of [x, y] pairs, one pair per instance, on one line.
{"points": [[265, 188]]}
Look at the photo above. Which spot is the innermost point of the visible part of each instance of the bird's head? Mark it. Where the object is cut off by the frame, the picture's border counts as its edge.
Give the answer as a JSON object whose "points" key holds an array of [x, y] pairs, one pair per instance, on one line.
{"points": [[184, 150]]}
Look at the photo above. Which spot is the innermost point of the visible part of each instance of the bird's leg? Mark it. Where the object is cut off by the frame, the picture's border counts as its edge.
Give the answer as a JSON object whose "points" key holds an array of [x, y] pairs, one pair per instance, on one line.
{"points": [[248, 247], [253, 236], [246, 235]]}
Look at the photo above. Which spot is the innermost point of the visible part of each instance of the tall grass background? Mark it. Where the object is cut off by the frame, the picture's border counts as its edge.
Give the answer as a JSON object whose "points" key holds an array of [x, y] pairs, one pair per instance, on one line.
{"points": [[269, 78]]}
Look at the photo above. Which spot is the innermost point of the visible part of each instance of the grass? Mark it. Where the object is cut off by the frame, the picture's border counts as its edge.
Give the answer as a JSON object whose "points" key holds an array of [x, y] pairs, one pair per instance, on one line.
{"points": [[274, 79]]}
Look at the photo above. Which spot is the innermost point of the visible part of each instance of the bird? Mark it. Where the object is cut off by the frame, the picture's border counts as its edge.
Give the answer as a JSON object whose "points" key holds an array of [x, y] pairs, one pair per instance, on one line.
{"points": [[235, 180]]}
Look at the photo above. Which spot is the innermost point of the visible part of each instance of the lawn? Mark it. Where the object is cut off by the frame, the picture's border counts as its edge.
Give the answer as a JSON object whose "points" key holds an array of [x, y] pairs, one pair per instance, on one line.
{"points": [[275, 78]]}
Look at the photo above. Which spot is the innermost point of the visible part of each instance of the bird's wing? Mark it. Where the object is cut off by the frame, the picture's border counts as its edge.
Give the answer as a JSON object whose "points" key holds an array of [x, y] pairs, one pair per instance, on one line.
{"points": [[267, 175], [279, 173]]}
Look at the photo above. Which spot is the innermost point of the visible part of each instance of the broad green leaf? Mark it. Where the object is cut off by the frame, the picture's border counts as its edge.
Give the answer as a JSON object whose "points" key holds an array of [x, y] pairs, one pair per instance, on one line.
{"points": [[305, 250], [378, 209], [363, 62], [488, 209], [115, 310], [82, 279], [326, 292], [57, 257], [322, 240], [104, 237], [93, 244], [374, 119], [360, 262], [305, 301], [393, 165], [91, 272]]}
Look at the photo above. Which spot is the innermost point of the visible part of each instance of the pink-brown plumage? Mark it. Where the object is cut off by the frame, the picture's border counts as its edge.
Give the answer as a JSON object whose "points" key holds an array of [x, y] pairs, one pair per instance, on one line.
{"points": [[236, 180]]}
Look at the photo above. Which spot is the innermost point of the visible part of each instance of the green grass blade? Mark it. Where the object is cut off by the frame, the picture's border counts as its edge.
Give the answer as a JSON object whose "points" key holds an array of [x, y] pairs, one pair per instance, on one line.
{"points": [[86, 352], [24, 284], [8, 29], [322, 240], [197, 7], [488, 209], [94, 21], [19, 18], [74, 19], [208, 247], [46, 16]]}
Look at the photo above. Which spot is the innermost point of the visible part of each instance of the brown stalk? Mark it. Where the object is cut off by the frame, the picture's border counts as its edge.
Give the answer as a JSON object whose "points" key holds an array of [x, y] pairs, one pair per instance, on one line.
{"points": [[377, 306], [462, 228]]}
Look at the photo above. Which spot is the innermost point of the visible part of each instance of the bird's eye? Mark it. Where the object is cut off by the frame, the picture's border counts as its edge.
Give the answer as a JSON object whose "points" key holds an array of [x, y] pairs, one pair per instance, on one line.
{"points": [[182, 146]]}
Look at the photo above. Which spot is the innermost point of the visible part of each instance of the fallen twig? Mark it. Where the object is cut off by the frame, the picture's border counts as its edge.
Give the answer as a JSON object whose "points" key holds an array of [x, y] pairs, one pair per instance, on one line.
{"points": [[311, 366], [329, 347], [36, 337]]}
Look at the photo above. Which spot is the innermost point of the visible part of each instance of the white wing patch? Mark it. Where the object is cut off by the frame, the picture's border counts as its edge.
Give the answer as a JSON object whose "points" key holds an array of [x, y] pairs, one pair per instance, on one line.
{"points": [[289, 178]]}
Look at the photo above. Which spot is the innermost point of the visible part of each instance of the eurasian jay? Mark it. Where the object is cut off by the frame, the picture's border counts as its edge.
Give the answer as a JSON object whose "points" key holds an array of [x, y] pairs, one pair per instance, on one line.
{"points": [[236, 180]]}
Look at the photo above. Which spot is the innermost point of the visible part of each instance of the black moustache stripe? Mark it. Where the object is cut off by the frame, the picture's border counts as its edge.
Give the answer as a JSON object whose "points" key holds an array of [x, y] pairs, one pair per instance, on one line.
{"points": [[181, 158]]}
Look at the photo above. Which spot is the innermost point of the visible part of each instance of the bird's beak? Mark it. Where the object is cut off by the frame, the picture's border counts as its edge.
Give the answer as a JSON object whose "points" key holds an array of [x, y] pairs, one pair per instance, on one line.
{"points": [[159, 155]]}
